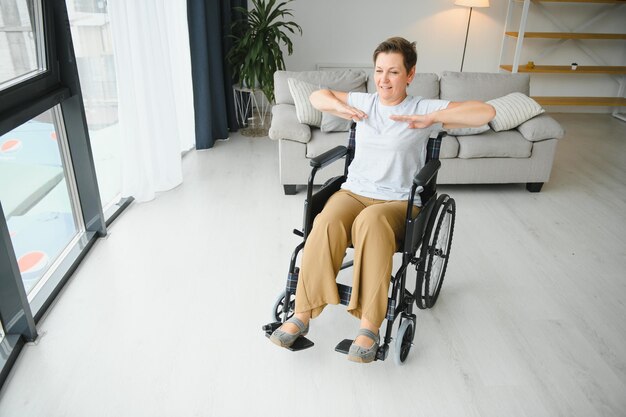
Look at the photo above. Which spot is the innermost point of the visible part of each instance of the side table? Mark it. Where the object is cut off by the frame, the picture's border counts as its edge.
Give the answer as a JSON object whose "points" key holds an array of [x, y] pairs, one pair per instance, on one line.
{"points": [[251, 110]]}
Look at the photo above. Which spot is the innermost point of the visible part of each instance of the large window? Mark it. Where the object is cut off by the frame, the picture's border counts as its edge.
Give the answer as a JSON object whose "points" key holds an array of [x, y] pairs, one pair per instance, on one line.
{"points": [[22, 50], [50, 206], [38, 194]]}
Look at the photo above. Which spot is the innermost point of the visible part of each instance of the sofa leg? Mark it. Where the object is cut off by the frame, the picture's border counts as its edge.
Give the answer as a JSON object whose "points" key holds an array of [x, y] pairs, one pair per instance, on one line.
{"points": [[289, 189], [534, 187]]}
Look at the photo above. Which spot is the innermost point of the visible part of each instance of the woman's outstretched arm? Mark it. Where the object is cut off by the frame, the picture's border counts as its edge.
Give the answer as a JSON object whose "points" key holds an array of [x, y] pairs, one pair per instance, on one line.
{"points": [[335, 102], [457, 114]]}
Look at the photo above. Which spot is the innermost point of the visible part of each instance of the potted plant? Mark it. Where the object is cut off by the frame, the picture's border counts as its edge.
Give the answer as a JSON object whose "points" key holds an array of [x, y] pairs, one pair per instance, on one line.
{"points": [[256, 53]]}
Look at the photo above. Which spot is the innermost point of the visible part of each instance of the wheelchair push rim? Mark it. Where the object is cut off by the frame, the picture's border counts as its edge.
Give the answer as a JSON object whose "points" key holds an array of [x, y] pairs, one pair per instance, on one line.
{"points": [[435, 251]]}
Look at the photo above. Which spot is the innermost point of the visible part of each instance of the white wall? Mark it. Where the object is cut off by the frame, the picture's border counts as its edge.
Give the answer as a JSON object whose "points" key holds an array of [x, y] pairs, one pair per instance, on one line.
{"points": [[347, 31]]}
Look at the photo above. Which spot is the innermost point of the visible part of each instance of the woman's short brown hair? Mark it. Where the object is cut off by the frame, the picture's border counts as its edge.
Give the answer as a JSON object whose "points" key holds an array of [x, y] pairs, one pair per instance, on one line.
{"points": [[399, 45]]}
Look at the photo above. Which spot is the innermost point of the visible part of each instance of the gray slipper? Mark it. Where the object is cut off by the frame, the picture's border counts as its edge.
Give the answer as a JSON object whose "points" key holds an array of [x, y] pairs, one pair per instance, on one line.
{"points": [[364, 355], [284, 339]]}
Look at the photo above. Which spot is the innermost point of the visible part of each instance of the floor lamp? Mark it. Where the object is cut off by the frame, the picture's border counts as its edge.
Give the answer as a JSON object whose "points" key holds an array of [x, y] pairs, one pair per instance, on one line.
{"points": [[471, 4]]}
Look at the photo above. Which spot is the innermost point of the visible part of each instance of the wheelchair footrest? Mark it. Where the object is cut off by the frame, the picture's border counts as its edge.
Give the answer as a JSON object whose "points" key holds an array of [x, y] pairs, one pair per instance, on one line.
{"points": [[344, 346], [269, 328], [301, 342]]}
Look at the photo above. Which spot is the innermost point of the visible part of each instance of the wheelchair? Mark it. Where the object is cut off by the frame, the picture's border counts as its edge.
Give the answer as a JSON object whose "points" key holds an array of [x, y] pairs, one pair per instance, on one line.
{"points": [[426, 247]]}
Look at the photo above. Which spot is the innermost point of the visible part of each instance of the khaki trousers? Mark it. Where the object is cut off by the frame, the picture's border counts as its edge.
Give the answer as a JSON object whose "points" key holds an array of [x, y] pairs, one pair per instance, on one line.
{"points": [[375, 228]]}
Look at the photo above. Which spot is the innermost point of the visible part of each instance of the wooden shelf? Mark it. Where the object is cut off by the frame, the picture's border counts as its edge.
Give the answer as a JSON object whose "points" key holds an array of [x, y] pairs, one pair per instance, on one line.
{"points": [[581, 101], [558, 37], [568, 35], [567, 69]]}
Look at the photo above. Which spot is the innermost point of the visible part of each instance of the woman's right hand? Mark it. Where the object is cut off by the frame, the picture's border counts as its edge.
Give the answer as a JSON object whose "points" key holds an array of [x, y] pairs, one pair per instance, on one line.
{"points": [[348, 112], [336, 102]]}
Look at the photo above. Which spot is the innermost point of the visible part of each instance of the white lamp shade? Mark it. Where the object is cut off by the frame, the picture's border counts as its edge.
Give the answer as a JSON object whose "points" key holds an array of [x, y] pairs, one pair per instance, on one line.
{"points": [[472, 3]]}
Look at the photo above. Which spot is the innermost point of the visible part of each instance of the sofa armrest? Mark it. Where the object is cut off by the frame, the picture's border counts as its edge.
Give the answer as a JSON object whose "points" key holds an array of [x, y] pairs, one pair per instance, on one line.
{"points": [[540, 128], [285, 125]]}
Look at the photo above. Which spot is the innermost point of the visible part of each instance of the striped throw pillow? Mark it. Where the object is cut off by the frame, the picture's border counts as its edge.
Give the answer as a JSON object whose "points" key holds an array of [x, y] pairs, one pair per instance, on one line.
{"points": [[300, 91], [512, 110]]}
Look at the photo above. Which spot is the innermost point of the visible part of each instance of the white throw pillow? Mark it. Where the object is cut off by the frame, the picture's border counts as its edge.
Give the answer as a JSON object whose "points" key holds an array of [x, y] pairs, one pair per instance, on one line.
{"points": [[300, 91], [467, 131], [513, 110]]}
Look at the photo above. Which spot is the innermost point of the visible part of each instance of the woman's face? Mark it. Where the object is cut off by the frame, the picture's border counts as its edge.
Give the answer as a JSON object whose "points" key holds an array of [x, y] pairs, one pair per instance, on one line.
{"points": [[391, 78]]}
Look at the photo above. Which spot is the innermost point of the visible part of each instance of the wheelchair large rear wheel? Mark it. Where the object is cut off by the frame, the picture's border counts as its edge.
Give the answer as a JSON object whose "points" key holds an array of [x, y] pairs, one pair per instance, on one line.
{"points": [[277, 310], [435, 251]]}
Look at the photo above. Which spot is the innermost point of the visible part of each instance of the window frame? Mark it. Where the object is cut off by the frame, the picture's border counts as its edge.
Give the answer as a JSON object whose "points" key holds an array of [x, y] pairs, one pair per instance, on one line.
{"points": [[20, 95], [58, 85]]}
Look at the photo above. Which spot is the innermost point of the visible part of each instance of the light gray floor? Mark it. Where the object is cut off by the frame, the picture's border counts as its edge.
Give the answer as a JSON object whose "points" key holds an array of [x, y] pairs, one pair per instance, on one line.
{"points": [[163, 317]]}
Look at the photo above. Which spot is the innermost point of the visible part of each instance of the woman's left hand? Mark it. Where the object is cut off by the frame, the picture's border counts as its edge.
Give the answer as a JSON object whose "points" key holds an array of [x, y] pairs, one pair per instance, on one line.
{"points": [[415, 121]]}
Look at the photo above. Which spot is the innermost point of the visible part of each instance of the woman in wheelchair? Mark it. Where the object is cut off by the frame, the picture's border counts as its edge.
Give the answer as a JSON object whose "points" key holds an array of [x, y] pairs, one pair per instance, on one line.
{"points": [[369, 211]]}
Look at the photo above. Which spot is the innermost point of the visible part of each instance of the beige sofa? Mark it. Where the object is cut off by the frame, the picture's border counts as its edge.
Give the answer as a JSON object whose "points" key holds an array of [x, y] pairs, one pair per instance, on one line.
{"points": [[520, 155]]}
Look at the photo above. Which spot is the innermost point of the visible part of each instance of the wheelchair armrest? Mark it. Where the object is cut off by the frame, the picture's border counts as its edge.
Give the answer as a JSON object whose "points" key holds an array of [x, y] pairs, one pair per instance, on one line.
{"points": [[427, 173], [329, 157]]}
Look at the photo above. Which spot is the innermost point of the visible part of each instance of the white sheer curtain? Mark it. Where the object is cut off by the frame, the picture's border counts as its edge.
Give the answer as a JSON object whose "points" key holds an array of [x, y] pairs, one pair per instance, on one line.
{"points": [[153, 69]]}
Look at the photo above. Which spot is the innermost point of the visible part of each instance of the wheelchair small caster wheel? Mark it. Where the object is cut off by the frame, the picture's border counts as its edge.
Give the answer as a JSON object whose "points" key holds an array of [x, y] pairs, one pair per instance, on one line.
{"points": [[277, 310], [404, 340]]}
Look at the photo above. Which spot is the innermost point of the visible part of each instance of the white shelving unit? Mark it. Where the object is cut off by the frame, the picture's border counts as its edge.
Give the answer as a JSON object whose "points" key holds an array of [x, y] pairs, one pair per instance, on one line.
{"points": [[565, 34]]}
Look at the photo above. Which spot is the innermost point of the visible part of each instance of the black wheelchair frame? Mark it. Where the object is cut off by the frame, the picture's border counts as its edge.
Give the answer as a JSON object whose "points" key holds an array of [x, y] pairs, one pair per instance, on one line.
{"points": [[429, 232]]}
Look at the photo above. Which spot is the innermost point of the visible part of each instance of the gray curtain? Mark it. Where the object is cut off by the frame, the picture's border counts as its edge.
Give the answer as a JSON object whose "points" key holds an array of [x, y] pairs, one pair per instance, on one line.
{"points": [[209, 26]]}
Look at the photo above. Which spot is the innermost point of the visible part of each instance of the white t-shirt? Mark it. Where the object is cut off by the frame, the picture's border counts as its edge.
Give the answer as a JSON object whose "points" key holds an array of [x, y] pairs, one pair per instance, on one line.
{"points": [[388, 154]]}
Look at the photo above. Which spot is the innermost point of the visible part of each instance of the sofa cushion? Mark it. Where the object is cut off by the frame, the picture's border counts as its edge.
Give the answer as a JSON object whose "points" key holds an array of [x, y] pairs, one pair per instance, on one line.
{"points": [[300, 91], [322, 142], [423, 85], [341, 80], [467, 131], [332, 123], [512, 110], [507, 144], [449, 147], [285, 124], [461, 86], [541, 127]]}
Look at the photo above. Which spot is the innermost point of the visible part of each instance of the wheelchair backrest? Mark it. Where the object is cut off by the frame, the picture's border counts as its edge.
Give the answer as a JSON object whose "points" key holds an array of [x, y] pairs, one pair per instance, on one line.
{"points": [[351, 146], [433, 147]]}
